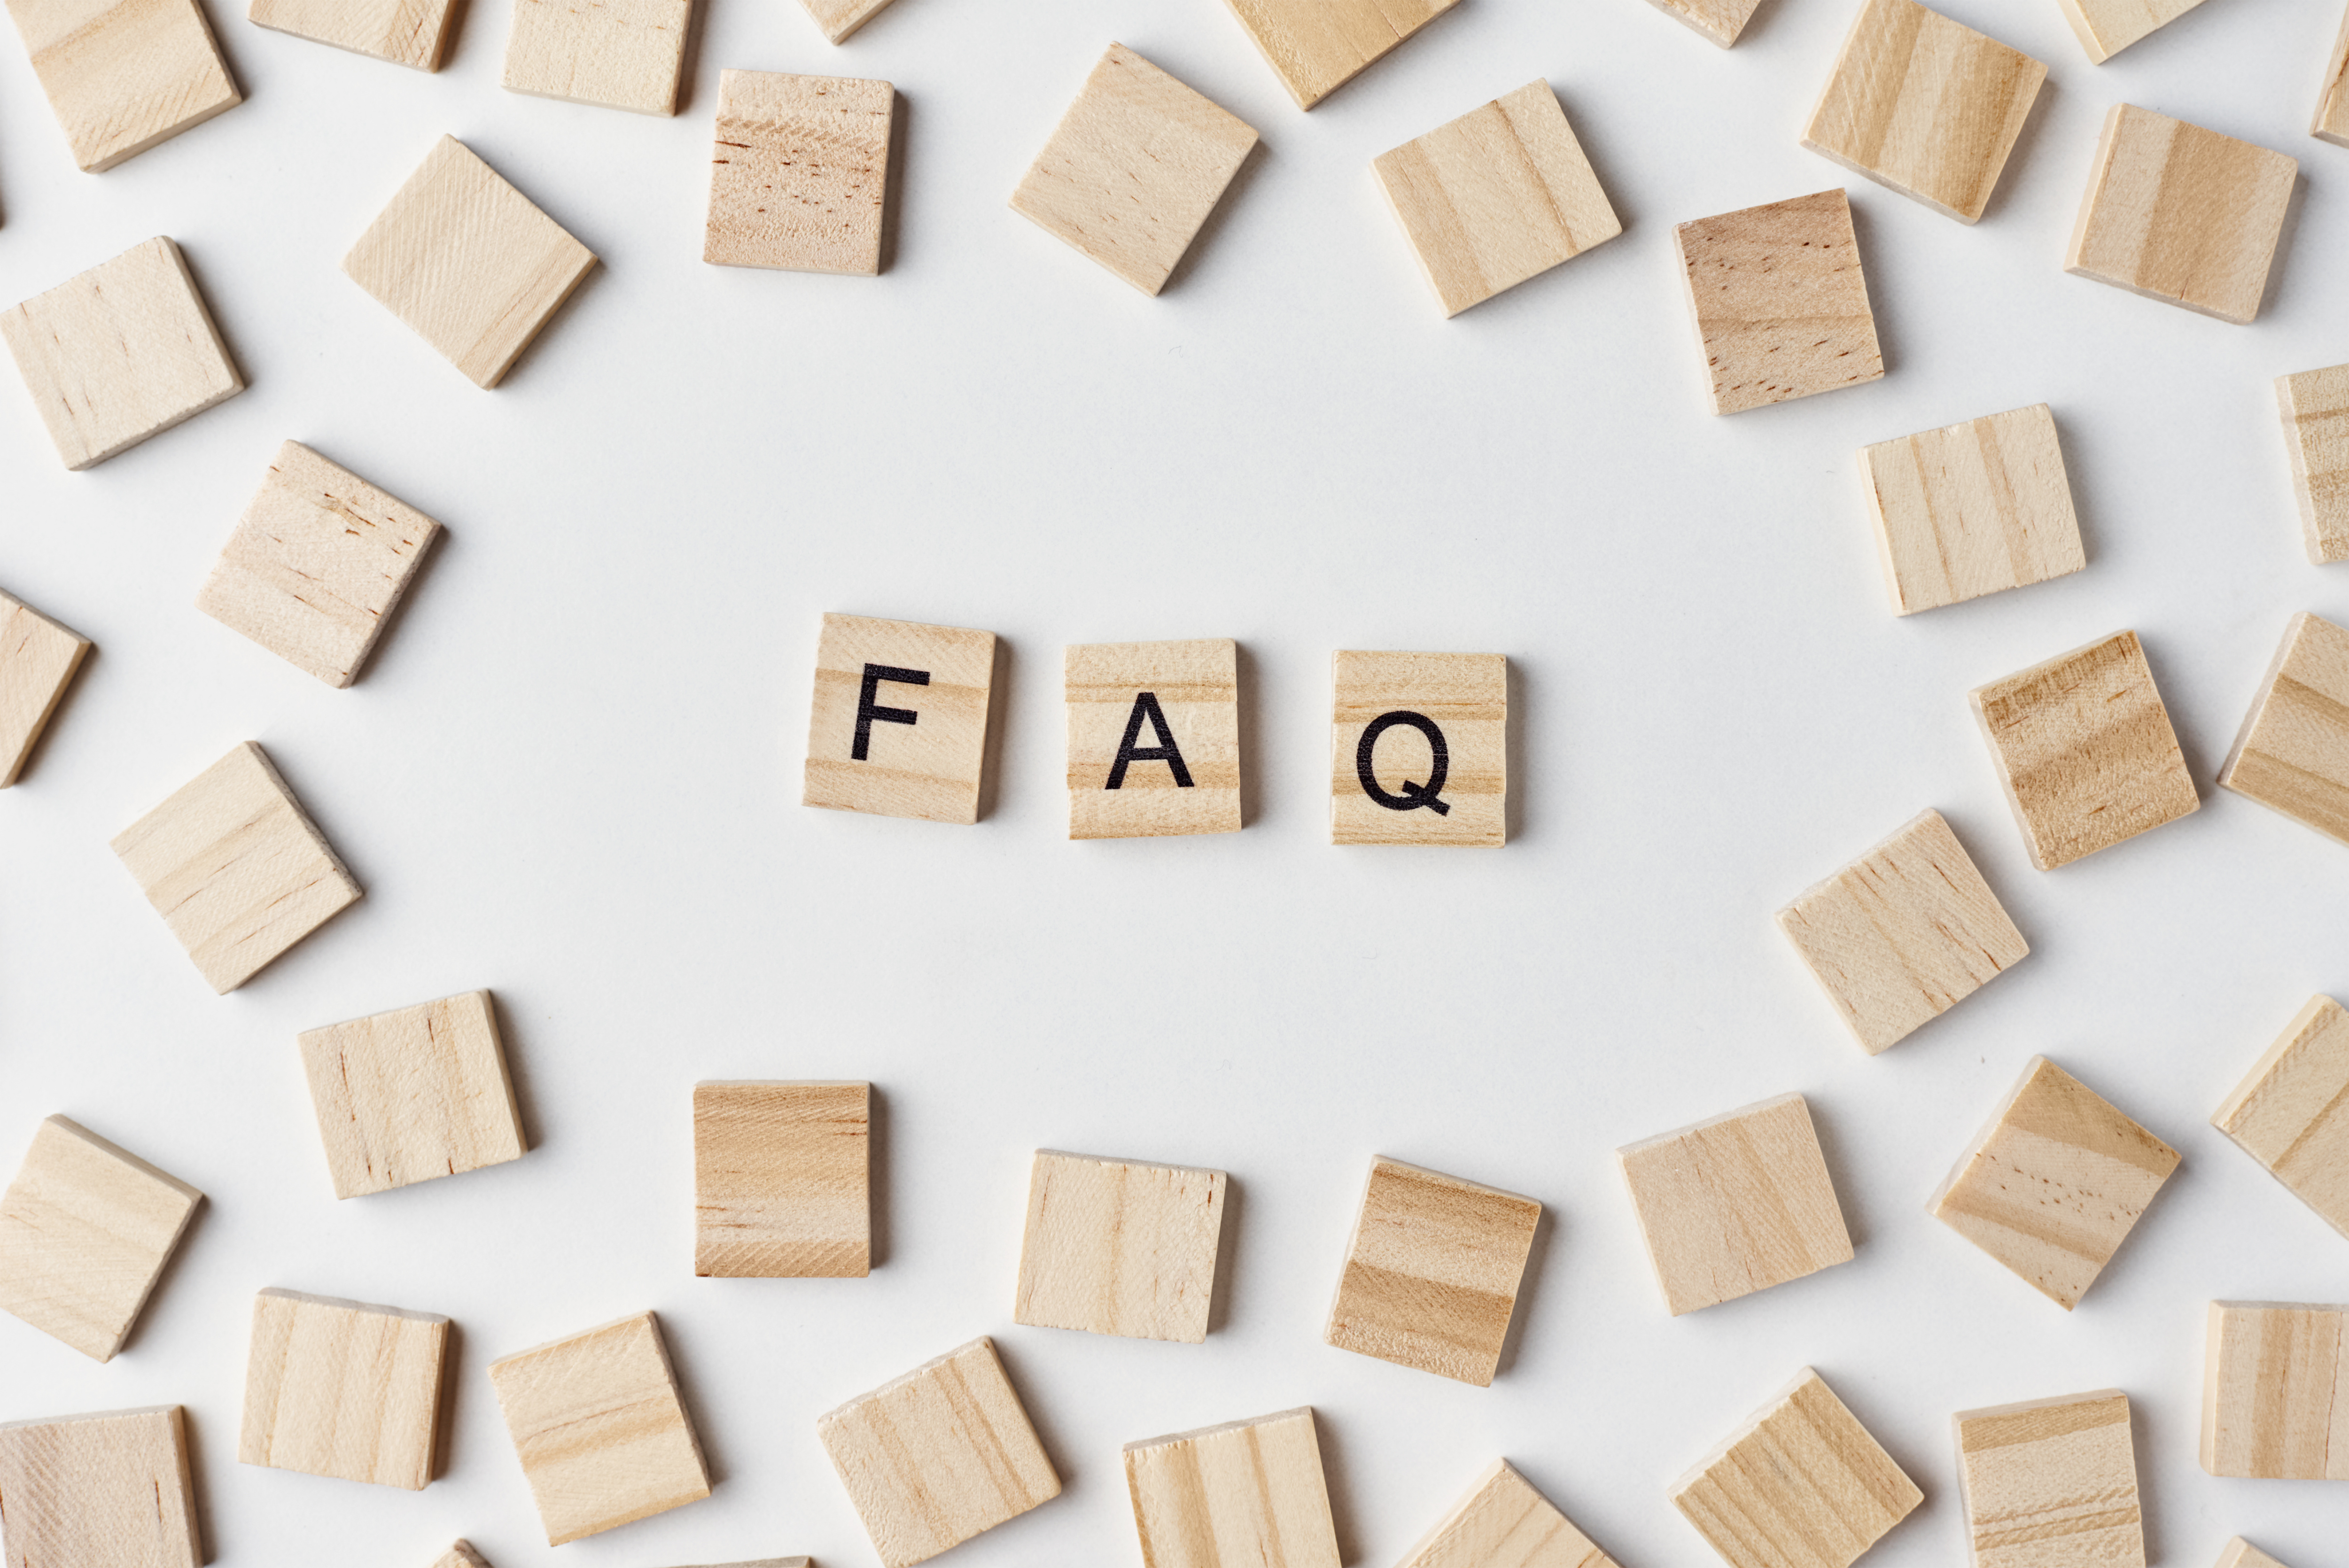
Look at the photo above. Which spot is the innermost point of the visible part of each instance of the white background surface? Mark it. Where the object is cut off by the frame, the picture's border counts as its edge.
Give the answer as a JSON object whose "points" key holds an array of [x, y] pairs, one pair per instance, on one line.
{"points": [[571, 773]]}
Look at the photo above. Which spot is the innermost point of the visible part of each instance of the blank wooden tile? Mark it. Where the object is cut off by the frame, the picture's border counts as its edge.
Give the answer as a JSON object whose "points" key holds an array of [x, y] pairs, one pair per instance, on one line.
{"points": [[1389, 710], [620, 54], [2331, 122], [2293, 753], [405, 32], [463, 1555], [1234, 1496], [124, 75], [2316, 408], [1120, 1246], [1317, 46], [938, 1455], [38, 661], [467, 261], [839, 18], [1154, 738], [85, 1231], [1800, 1485], [2181, 214], [413, 1095], [1431, 1271], [1735, 1205], [123, 352], [1971, 509], [800, 173], [782, 1179], [341, 1388], [2084, 750], [2291, 1113], [1781, 305], [106, 1491], [898, 727], [2275, 1391], [2242, 1554], [2051, 1482], [1719, 20], [1504, 1522], [2106, 28], [1497, 196], [601, 1431]]}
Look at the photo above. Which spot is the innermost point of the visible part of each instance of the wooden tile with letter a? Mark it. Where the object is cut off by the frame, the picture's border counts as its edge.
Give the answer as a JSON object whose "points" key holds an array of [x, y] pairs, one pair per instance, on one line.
{"points": [[38, 661], [2181, 214], [1120, 1246], [1800, 1485], [105, 1490], [2051, 1482], [1504, 1522], [1781, 304], [1433, 1272], [1236, 1496], [1317, 46], [898, 727], [2275, 1391], [2291, 1113], [2292, 756], [1418, 749], [1154, 738]]}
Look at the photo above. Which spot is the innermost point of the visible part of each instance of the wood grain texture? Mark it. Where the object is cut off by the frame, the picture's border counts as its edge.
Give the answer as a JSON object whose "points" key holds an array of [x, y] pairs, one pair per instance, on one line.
{"points": [[618, 54], [2242, 1554], [1497, 196], [2291, 1113], [85, 1231], [2084, 750], [2106, 28], [1431, 1271], [1242, 1495], [600, 1430], [1133, 168], [798, 178], [1191, 720], [1316, 46], [2316, 409], [2051, 1483], [1780, 301], [342, 1388], [2292, 755], [1466, 697], [930, 768], [123, 74], [413, 1095], [106, 1491], [1719, 20], [1735, 1205], [1972, 509], [463, 1555], [468, 263], [1120, 1246], [2330, 121], [2275, 1391], [2181, 214], [839, 18], [783, 1180], [937, 1456], [413, 33], [38, 658], [1504, 1522], [1800, 1485], [121, 353]]}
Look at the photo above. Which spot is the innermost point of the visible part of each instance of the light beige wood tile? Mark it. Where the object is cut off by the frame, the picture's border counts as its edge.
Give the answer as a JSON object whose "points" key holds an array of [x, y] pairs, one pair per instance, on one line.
{"points": [[342, 1388], [1316, 46], [770, 1562], [2316, 408], [2331, 122], [800, 175], [1433, 1272], [1719, 20], [2084, 750], [463, 1555], [619, 54], [2242, 1554], [2106, 28], [1120, 1246], [839, 18], [123, 352], [2181, 214], [105, 1490], [1971, 509], [468, 263], [602, 1433], [782, 1179], [413, 1095], [2292, 755], [938, 1455], [38, 661], [1234, 1496], [2051, 1483], [2275, 1391], [405, 32], [85, 1231], [1463, 698], [1504, 1522], [1154, 738], [2291, 1113], [898, 727], [1735, 1205], [1800, 1485], [1780, 301], [124, 75]]}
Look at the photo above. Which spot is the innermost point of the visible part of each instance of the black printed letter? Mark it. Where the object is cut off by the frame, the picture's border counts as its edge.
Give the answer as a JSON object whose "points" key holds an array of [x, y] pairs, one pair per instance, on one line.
{"points": [[1146, 707], [1411, 797], [866, 712]]}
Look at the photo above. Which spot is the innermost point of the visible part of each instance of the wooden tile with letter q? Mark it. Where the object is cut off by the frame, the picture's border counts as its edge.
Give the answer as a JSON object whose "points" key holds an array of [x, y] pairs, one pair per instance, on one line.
{"points": [[800, 175], [38, 661], [85, 1231], [1504, 1522], [1780, 301], [2275, 1391], [2106, 28], [1735, 1205], [105, 1490], [1719, 20], [1800, 1485], [413, 1095], [1234, 1496], [2181, 214], [2242, 1554], [2316, 408], [939, 1455], [2331, 122], [1972, 509], [468, 263], [1120, 1246], [2291, 1113], [899, 723], [782, 1180], [1133, 168], [2051, 1482], [619, 54], [2292, 756], [123, 352], [1154, 738], [1316, 46], [405, 32], [1435, 727], [124, 75], [341, 1388], [1431, 1271]]}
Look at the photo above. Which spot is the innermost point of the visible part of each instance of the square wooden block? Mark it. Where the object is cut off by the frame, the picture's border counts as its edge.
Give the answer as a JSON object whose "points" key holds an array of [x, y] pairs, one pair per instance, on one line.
{"points": [[1504, 1522], [1719, 20], [1154, 738], [1431, 1271], [2316, 408], [599, 1427], [937, 1456], [1234, 1496], [2275, 1391], [2330, 121], [1780, 301], [2242, 1554], [107, 1490], [839, 18], [406, 32], [2051, 1482], [123, 352], [800, 176], [1497, 196], [620, 54], [1904, 934], [2084, 750], [2106, 28], [413, 1095], [782, 1181], [1133, 168], [1735, 1205], [2055, 1182], [341, 1388], [466, 262], [124, 75], [1972, 509], [1800, 1485], [85, 1231], [1120, 1246], [38, 661], [898, 727], [1418, 749], [2290, 1113], [2292, 756], [1316, 46], [2181, 214]]}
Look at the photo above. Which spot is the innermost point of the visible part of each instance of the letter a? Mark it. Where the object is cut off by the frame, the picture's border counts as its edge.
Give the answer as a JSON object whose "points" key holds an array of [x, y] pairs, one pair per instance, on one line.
{"points": [[1145, 705]]}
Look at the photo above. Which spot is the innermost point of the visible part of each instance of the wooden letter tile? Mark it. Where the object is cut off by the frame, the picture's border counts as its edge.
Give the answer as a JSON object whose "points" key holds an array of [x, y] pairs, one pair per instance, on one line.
{"points": [[1719, 20], [2106, 28], [467, 261], [38, 661], [2242, 1554], [899, 723], [800, 173], [1154, 738], [1235, 1496], [107, 1490], [2315, 407], [2181, 214], [85, 1230], [2332, 120], [1800, 1485], [1781, 305], [1737, 1204], [1317, 46], [938, 1455], [602, 1433], [781, 1175], [621, 54], [1431, 1271], [1119, 1246], [340, 1388], [123, 352], [463, 1555], [405, 32], [413, 1095], [2275, 1391], [2292, 1112], [1504, 1522], [1972, 509], [124, 75], [1389, 711], [839, 18], [2051, 1482], [2293, 754]]}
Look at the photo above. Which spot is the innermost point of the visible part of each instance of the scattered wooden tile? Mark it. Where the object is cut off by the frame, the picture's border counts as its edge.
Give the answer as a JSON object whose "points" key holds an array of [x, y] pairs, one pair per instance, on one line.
{"points": [[2315, 407], [1120, 1246], [2181, 214], [124, 75], [1497, 196], [123, 352], [770, 1562], [1435, 727], [2242, 1554], [105, 1490], [341, 1388], [2331, 122], [85, 1231], [38, 661], [782, 1181], [413, 1095], [1735, 1205], [2272, 1383], [1972, 509], [2051, 1480], [1780, 301], [2084, 750], [1800, 1485], [466, 262], [1504, 1522], [2291, 1113], [1234, 1496], [801, 172], [839, 18], [1316, 46], [938, 1455], [2106, 28], [1154, 738], [898, 727], [1431, 1271], [2292, 756], [1719, 20], [619, 54], [463, 1555], [405, 32], [602, 1433]]}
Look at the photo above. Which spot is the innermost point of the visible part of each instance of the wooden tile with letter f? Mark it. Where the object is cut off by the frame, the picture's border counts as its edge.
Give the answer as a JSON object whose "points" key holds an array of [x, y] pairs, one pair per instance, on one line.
{"points": [[898, 727], [1154, 738]]}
